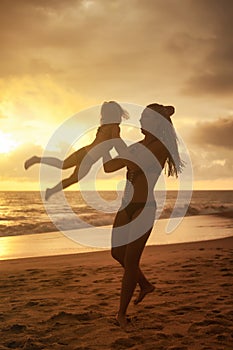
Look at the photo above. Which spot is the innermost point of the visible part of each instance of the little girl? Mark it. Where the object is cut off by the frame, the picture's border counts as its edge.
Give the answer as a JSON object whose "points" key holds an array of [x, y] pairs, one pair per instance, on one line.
{"points": [[111, 116]]}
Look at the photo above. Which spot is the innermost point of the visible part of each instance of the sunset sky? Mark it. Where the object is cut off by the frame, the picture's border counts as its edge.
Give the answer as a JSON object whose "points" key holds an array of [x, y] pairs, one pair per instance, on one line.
{"points": [[60, 57]]}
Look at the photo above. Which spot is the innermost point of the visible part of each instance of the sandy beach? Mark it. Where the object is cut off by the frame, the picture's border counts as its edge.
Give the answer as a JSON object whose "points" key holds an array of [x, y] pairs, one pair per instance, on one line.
{"points": [[70, 301]]}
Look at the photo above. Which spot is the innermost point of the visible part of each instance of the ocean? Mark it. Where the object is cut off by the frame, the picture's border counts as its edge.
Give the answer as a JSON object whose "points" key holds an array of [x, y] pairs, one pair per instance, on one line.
{"points": [[23, 213]]}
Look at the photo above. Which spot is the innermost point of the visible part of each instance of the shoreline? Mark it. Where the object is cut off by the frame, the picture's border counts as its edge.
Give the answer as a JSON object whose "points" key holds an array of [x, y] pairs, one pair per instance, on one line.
{"points": [[89, 257], [191, 229]]}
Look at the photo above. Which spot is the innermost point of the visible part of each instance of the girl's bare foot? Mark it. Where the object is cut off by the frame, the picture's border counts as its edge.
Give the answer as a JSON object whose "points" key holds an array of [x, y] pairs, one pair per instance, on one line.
{"points": [[31, 161], [143, 292]]}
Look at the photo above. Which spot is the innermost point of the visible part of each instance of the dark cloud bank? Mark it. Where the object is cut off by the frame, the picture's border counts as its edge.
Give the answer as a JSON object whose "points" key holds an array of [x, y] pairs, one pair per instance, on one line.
{"points": [[214, 73], [108, 41], [217, 133]]}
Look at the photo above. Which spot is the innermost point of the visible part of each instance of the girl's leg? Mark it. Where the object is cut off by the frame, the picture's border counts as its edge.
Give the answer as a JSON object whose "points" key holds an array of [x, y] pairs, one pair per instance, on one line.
{"points": [[69, 162], [80, 171], [55, 162], [74, 159]]}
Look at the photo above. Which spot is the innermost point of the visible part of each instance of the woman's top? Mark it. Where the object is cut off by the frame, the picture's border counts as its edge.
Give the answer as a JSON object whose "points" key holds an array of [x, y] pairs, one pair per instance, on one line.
{"points": [[144, 165], [141, 176]]}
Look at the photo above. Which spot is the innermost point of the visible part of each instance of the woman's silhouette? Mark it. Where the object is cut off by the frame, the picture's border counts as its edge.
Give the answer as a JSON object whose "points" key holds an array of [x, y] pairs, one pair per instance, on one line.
{"points": [[111, 116], [158, 150]]}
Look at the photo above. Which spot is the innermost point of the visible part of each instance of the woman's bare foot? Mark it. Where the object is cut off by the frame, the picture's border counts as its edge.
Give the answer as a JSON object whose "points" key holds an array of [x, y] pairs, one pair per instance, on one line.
{"points": [[143, 292], [122, 321], [31, 161], [48, 193]]}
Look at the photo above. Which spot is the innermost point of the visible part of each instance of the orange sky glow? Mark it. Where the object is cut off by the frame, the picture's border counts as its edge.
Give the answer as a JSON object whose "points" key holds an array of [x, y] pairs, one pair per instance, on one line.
{"points": [[62, 57]]}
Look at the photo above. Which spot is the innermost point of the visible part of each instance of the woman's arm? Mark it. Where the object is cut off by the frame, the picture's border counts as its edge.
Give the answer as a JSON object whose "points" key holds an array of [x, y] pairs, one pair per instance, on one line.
{"points": [[117, 142], [120, 146], [112, 164]]}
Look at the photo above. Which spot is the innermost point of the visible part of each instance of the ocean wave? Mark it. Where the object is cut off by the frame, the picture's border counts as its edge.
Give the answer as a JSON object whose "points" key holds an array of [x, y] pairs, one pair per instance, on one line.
{"points": [[10, 226], [193, 210], [27, 216]]}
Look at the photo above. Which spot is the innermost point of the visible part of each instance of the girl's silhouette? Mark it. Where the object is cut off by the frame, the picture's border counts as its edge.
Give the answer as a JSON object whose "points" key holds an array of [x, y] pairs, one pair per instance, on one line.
{"points": [[111, 117]]}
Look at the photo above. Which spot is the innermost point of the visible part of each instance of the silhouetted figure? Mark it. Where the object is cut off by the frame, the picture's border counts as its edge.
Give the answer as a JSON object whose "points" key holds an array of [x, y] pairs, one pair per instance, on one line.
{"points": [[158, 150], [111, 116]]}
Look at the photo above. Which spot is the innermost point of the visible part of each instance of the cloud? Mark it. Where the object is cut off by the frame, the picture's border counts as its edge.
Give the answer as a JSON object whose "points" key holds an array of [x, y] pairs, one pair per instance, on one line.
{"points": [[215, 133], [119, 48], [92, 43], [34, 108], [211, 164], [211, 147], [59, 57], [12, 164], [107, 46], [213, 73]]}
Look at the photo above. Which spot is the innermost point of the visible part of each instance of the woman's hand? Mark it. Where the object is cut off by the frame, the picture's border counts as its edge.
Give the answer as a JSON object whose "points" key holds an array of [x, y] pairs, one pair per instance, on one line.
{"points": [[112, 164]]}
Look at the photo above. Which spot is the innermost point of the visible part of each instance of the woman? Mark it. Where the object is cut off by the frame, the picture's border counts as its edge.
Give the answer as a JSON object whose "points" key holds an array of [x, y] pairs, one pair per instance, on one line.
{"points": [[135, 218]]}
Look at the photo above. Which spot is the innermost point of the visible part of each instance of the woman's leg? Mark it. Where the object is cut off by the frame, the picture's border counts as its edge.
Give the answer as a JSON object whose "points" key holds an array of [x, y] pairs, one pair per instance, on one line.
{"points": [[130, 278], [118, 249], [118, 253], [145, 287]]}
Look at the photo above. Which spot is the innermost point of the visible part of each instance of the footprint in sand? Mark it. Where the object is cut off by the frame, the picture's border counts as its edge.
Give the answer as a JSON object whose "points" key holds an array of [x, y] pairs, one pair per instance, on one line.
{"points": [[185, 309], [14, 344], [92, 307], [209, 326], [32, 344], [31, 303], [154, 326], [189, 266], [124, 343], [103, 303], [34, 271], [178, 335], [82, 317], [226, 285], [17, 328]]}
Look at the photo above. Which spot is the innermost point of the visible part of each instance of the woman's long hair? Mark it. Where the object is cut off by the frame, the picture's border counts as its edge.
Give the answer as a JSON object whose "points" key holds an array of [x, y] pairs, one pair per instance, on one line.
{"points": [[167, 135]]}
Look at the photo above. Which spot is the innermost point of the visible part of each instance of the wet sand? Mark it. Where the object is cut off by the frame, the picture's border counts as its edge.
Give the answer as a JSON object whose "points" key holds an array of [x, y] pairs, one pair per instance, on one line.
{"points": [[192, 228]]}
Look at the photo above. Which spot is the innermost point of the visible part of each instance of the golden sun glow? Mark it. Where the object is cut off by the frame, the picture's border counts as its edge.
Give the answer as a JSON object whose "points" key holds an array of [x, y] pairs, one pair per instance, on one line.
{"points": [[7, 143]]}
